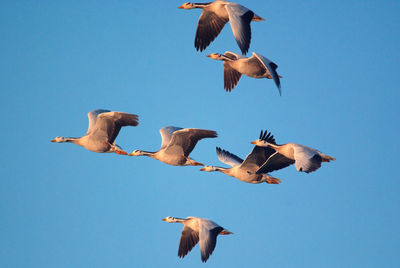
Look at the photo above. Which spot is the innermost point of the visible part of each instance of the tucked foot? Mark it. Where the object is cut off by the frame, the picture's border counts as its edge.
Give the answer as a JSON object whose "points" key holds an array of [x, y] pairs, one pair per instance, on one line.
{"points": [[121, 152], [273, 180]]}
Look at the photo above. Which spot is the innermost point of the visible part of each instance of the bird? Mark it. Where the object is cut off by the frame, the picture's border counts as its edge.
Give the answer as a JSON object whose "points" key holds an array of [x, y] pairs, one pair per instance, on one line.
{"points": [[198, 229], [245, 170], [214, 17], [256, 66], [305, 159], [103, 129], [177, 143]]}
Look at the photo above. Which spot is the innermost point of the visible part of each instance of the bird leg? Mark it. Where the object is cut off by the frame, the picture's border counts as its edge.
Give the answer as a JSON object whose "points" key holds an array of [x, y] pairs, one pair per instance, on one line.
{"points": [[117, 151]]}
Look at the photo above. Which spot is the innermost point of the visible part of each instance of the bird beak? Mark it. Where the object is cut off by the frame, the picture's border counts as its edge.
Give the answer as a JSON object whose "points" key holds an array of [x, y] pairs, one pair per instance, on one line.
{"points": [[203, 169], [53, 140], [209, 56], [181, 6], [253, 142], [164, 219]]}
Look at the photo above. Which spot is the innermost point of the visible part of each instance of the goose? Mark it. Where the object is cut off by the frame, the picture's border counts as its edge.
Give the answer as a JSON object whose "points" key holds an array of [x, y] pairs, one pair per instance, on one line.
{"points": [[246, 170], [305, 159], [255, 66], [176, 145], [198, 229], [103, 129], [214, 17]]}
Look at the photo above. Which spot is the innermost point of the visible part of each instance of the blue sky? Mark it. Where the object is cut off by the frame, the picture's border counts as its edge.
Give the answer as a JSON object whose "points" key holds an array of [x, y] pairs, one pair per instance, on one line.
{"points": [[63, 206]]}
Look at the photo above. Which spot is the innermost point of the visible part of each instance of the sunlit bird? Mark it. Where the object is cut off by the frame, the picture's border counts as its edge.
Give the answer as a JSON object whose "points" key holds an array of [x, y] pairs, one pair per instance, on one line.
{"points": [[177, 144], [255, 66], [198, 230], [245, 170], [305, 159], [214, 17], [103, 129]]}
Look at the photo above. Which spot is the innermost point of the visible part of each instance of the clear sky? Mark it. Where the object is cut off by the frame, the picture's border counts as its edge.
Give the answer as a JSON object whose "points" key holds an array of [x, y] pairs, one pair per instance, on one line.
{"points": [[64, 206]]}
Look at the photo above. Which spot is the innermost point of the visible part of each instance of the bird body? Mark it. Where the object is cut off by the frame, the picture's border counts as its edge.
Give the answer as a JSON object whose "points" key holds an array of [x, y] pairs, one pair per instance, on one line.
{"points": [[197, 230], [104, 127], [177, 144], [214, 17], [306, 159], [256, 66], [245, 170]]}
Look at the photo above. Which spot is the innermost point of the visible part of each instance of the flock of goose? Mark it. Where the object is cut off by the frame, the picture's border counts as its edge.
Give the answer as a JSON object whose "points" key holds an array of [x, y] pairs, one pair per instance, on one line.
{"points": [[177, 143]]}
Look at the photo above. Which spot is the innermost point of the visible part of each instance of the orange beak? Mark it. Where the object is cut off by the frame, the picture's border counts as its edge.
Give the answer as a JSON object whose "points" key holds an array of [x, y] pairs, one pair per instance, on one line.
{"points": [[181, 6], [253, 142], [53, 140], [164, 219]]}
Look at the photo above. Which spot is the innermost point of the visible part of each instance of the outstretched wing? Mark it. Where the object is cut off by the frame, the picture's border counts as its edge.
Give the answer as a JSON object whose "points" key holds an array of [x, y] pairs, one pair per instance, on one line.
{"points": [[208, 238], [208, 27], [92, 115], [260, 154], [275, 162], [189, 239], [240, 18], [228, 158], [166, 135], [185, 140], [271, 67], [109, 124]]}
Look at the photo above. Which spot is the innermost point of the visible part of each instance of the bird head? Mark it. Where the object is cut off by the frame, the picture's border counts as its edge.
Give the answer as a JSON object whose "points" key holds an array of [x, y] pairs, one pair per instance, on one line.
{"points": [[169, 219], [215, 56], [187, 5], [136, 153], [208, 168], [59, 139], [260, 142]]}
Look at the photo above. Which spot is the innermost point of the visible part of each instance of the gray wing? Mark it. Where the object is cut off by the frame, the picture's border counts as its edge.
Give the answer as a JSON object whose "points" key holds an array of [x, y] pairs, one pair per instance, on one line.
{"points": [[92, 115], [166, 134], [240, 18], [189, 239], [186, 139], [109, 124], [231, 77], [271, 67], [260, 154], [228, 158], [275, 162], [208, 241], [208, 27]]}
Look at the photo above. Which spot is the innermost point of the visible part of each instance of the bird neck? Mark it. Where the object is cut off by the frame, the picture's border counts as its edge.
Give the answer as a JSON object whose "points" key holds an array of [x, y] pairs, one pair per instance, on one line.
{"points": [[73, 140], [200, 5], [150, 154], [178, 220]]}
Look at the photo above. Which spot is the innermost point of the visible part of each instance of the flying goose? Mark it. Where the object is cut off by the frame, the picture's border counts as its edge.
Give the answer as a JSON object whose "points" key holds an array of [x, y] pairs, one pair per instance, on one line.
{"points": [[305, 159], [214, 17], [104, 127], [195, 230], [177, 144], [255, 66], [246, 170]]}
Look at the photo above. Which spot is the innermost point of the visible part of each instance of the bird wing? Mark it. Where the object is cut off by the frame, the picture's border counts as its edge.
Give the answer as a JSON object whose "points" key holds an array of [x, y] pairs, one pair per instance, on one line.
{"points": [[260, 154], [208, 27], [307, 159], [271, 67], [274, 162], [231, 76], [189, 238], [92, 115], [186, 139], [228, 158], [240, 18], [166, 134], [208, 238], [109, 124]]}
